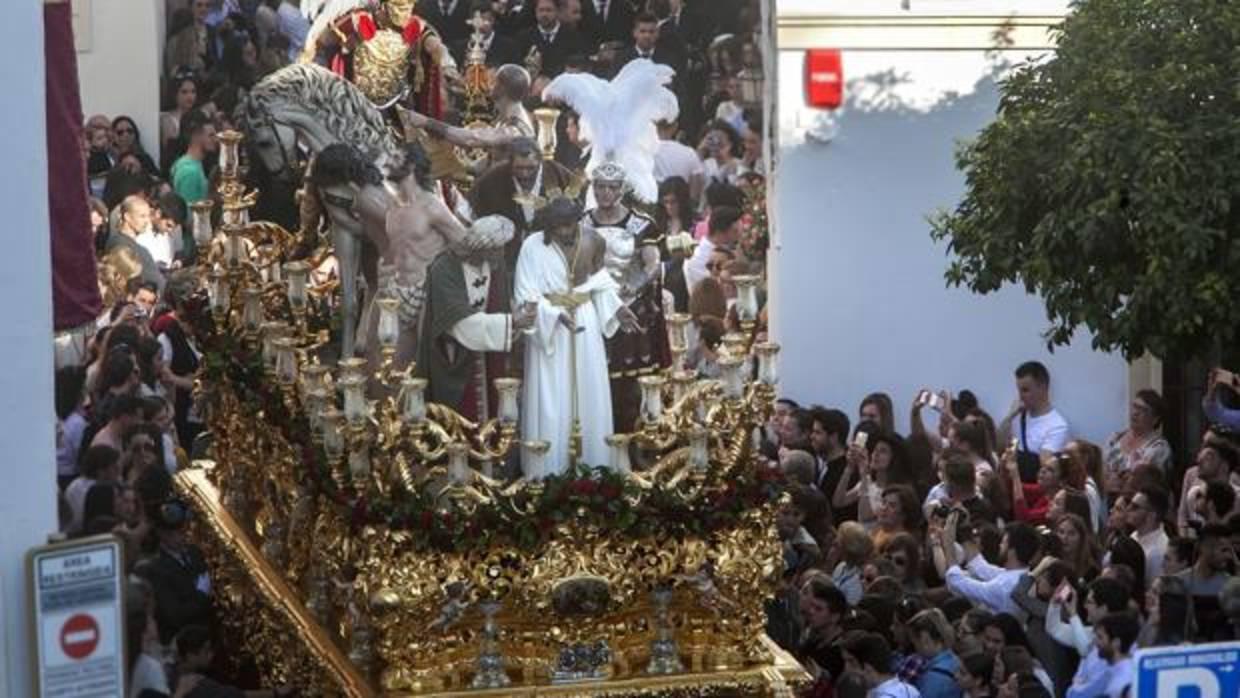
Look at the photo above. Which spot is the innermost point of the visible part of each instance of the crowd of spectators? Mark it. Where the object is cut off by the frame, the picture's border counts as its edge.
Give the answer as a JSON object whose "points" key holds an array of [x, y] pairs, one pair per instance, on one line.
{"points": [[1006, 557], [126, 415]]}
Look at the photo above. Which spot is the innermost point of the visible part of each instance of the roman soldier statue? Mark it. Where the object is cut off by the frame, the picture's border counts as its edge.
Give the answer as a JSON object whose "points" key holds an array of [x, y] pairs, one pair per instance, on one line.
{"points": [[632, 260], [391, 54]]}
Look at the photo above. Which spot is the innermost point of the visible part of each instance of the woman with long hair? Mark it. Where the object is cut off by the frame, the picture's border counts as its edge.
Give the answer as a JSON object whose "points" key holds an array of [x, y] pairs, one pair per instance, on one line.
{"points": [[1169, 614], [1068, 501], [1079, 547], [900, 514], [1032, 502], [151, 368], [1089, 455], [873, 467], [877, 408], [675, 211], [970, 437], [181, 100], [239, 62]]}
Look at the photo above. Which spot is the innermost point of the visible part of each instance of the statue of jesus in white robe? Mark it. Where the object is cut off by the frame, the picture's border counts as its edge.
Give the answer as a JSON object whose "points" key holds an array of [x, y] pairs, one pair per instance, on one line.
{"points": [[583, 313]]}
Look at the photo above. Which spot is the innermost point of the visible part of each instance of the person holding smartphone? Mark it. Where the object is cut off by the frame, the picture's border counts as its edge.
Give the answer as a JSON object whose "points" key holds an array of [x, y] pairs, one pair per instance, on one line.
{"points": [[1068, 627]]}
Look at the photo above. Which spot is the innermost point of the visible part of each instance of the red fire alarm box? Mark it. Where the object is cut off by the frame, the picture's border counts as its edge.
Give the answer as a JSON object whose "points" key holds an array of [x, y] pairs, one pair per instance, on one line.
{"points": [[824, 78]]}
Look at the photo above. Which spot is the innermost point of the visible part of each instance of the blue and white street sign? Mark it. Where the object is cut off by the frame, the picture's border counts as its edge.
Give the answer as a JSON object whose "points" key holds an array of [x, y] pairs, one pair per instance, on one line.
{"points": [[1196, 671]]}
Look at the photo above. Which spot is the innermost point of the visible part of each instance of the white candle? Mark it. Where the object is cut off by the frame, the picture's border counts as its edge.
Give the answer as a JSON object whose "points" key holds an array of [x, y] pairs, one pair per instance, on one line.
{"points": [[730, 374], [619, 452], [458, 462], [297, 274], [509, 410], [746, 297], [252, 309], [413, 400], [286, 360], [355, 408], [652, 398], [389, 322], [699, 448], [333, 432], [768, 372]]}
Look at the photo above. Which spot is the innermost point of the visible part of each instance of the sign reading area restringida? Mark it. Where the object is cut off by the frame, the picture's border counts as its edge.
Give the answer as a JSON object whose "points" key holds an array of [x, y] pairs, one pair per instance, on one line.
{"points": [[78, 618]]}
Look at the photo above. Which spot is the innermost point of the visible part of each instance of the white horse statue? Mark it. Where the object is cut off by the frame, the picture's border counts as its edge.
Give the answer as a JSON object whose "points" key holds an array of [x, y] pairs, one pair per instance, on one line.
{"points": [[309, 104]]}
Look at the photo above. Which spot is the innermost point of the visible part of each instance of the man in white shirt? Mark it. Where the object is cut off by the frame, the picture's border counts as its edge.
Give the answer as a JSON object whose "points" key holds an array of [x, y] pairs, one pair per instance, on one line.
{"points": [[1032, 421], [1115, 636], [724, 231], [972, 577], [675, 159], [1104, 596], [869, 655], [1146, 514]]}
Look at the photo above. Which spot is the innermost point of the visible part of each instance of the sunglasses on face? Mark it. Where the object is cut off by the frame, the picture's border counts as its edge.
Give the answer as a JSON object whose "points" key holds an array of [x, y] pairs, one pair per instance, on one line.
{"points": [[124, 131]]}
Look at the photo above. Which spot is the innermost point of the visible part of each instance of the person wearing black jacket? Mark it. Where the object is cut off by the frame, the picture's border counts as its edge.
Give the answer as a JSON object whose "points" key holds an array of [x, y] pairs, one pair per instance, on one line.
{"points": [[499, 50], [607, 20], [177, 573], [450, 17], [554, 41], [648, 42]]}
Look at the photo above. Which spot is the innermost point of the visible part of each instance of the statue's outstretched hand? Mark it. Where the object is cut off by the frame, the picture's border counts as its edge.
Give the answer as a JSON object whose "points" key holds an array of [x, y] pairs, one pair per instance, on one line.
{"points": [[628, 321]]}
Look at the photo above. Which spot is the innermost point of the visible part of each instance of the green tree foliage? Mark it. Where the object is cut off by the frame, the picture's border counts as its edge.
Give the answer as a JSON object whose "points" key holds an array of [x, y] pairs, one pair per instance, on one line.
{"points": [[1109, 182]]}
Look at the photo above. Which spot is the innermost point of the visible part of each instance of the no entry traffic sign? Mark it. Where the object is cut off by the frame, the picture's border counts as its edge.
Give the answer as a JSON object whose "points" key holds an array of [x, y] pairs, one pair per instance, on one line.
{"points": [[79, 636], [79, 621]]}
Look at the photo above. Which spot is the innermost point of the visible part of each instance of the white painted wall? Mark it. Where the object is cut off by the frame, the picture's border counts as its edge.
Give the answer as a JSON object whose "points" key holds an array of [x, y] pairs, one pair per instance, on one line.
{"points": [[860, 303], [921, 7], [119, 71], [27, 431]]}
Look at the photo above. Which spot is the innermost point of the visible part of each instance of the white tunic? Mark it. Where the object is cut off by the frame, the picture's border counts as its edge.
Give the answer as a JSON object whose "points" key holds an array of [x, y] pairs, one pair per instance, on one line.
{"points": [[547, 392]]}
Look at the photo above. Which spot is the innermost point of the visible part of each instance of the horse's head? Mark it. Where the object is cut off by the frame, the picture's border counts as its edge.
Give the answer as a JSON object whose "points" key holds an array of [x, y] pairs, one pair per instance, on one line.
{"points": [[273, 142]]}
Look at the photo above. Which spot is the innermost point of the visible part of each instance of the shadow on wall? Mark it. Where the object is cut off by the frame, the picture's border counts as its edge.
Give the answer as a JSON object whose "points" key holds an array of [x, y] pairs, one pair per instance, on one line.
{"points": [[863, 304]]}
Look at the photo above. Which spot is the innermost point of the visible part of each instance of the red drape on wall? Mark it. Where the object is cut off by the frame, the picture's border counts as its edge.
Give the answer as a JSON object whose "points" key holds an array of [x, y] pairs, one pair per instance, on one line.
{"points": [[75, 291]]}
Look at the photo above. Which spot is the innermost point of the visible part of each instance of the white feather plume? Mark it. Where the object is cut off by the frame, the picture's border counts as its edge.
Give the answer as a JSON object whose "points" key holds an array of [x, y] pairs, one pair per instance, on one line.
{"points": [[323, 12], [618, 118]]}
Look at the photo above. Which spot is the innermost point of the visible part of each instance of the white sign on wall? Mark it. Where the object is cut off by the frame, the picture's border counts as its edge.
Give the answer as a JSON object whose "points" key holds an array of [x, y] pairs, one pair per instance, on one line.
{"points": [[79, 621]]}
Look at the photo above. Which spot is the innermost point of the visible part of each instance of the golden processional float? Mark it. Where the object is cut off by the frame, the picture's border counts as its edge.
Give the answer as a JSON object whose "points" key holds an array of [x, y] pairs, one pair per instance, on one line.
{"points": [[362, 541]]}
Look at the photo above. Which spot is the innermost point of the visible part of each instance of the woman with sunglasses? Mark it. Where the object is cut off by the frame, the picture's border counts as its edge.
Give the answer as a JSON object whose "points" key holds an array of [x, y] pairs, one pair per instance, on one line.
{"points": [[127, 141], [904, 553]]}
